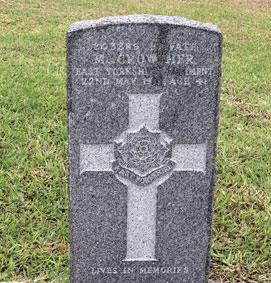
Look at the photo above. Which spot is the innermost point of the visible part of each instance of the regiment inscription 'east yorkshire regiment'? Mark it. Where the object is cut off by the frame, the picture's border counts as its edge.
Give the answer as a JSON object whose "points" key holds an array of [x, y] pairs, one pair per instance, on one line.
{"points": [[143, 94]]}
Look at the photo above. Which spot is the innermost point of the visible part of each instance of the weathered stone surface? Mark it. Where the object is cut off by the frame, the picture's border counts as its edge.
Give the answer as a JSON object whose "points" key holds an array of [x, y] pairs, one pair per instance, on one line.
{"points": [[143, 94]]}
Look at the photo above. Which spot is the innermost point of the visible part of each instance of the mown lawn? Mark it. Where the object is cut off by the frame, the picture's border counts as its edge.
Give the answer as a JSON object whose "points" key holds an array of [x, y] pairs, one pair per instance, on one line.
{"points": [[34, 236]]}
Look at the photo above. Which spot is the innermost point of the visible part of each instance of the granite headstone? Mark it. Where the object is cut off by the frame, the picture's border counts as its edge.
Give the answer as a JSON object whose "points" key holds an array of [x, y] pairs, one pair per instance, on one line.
{"points": [[143, 95]]}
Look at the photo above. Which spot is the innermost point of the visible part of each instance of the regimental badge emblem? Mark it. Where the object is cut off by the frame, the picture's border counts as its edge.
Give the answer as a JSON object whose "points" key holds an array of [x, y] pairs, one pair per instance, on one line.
{"points": [[143, 156]]}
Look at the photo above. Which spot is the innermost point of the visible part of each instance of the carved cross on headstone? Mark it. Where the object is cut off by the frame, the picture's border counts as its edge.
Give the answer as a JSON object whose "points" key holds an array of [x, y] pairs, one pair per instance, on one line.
{"points": [[142, 158]]}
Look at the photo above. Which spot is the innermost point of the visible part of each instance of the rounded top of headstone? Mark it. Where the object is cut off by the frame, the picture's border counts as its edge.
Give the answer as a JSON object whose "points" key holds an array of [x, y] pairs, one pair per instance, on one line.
{"points": [[142, 19]]}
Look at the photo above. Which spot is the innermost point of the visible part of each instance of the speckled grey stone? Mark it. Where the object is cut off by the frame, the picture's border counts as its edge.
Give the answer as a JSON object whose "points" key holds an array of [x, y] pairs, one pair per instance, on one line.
{"points": [[143, 96]]}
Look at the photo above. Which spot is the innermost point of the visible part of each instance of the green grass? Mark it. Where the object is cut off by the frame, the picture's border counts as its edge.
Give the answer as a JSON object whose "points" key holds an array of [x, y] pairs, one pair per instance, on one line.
{"points": [[34, 236]]}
